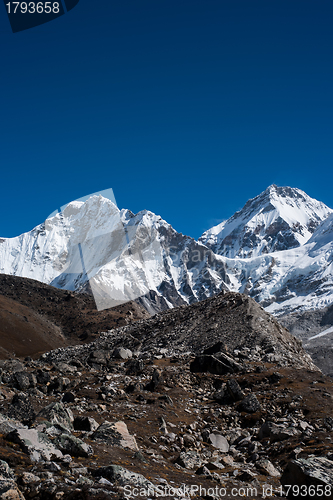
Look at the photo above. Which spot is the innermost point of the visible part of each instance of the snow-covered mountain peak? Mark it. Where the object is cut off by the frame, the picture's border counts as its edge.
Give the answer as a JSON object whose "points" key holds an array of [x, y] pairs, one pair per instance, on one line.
{"points": [[278, 249], [277, 219]]}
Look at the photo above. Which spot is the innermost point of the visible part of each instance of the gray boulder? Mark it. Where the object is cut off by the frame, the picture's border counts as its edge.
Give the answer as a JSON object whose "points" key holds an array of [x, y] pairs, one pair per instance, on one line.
{"points": [[36, 444], [99, 358], [56, 413], [266, 467], [276, 432], [122, 353], [8, 425], [189, 460], [116, 434], [116, 473], [72, 445], [316, 472], [20, 380]]}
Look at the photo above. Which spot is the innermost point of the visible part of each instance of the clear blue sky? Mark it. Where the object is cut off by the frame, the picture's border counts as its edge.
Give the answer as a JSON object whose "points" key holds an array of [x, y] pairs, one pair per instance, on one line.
{"points": [[187, 108]]}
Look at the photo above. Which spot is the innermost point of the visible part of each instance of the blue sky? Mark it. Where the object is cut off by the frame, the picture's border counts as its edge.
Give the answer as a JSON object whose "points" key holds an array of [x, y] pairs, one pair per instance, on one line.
{"points": [[187, 108]]}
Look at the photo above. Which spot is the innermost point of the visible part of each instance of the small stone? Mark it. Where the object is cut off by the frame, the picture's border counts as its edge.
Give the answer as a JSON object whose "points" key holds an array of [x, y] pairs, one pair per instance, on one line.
{"points": [[189, 459], [122, 353], [265, 466], [219, 442]]}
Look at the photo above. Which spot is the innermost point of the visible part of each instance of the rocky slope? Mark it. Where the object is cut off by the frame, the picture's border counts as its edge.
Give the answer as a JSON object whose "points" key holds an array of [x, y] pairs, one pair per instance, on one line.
{"points": [[228, 321], [132, 410]]}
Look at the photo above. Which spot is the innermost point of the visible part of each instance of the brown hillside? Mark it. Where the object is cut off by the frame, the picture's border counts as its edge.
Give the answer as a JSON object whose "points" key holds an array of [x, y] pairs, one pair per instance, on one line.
{"points": [[35, 317]]}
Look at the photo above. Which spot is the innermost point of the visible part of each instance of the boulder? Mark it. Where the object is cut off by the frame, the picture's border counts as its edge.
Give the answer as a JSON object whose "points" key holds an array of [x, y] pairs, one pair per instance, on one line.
{"points": [[234, 390], [189, 460], [8, 425], [20, 380], [315, 472], [116, 473], [250, 404], [211, 364], [9, 491], [122, 353], [22, 409], [57, 414], [115, 434], [34, 443], [266, 467], [74, 446], [276, 432], [99, 358]]}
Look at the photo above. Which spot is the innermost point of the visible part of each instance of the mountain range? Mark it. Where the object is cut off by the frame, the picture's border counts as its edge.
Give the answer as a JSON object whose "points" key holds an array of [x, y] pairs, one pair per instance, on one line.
{"points": [[212, 387], [278, 249]]}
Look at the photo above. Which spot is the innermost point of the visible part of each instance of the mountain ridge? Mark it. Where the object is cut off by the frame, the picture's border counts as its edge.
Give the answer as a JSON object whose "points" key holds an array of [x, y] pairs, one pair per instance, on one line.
{"points": [[279, 218], [124, 256]]}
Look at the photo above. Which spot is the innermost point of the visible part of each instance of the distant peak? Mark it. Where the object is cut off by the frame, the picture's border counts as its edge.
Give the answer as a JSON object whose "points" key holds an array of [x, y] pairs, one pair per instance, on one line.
{"points": [[284, 192]]}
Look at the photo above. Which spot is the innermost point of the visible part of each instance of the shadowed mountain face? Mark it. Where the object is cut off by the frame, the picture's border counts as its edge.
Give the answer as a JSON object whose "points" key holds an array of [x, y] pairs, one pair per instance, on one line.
{"points": [[35, 317], [315, 330]]}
